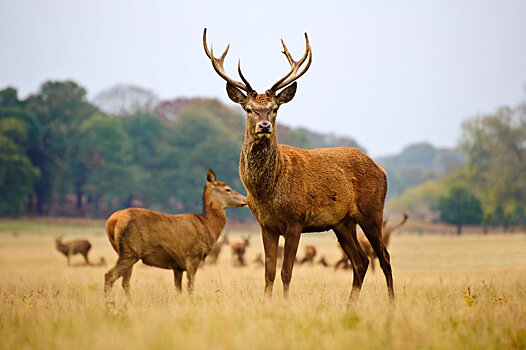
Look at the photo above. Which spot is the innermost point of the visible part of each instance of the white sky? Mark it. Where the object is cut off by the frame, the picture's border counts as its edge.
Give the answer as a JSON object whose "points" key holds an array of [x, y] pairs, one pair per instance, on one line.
{"points": [[388, 73]]}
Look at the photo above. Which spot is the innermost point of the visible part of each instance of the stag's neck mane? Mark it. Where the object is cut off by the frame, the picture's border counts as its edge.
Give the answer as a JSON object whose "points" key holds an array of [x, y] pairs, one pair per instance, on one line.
{"points": [[260, 165], [213, 216]]}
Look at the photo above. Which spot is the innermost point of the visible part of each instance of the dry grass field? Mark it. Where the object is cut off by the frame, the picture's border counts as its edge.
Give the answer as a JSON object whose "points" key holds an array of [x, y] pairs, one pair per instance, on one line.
{"points": [[464, 292]]}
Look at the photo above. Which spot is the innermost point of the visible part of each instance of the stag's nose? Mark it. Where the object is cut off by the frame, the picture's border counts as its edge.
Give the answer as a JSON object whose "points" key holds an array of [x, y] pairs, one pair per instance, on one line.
{"points": [[264, 127]]}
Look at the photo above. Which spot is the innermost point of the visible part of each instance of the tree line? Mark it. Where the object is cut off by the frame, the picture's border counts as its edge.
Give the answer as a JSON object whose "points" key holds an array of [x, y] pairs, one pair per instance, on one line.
{"points": [[489, 187], [62, 155]]}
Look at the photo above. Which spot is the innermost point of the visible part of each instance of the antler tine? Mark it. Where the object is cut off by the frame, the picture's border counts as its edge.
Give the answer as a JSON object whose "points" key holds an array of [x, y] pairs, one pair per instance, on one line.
{"points": [[292, 75], [242, 77], [217, 63]]}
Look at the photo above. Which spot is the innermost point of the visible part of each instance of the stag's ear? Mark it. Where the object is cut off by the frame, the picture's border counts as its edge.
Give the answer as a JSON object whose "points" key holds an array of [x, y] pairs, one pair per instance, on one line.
{"points": [[235, 94], [211, 176], [287, 94]]}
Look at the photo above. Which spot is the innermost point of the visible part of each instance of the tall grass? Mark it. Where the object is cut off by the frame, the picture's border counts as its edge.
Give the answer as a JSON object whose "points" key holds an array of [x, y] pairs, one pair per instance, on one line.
{"points": [[467, 292]]}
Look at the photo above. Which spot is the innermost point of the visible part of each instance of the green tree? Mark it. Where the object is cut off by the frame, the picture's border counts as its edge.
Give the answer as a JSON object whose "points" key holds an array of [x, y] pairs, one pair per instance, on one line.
{"points": [[17, 178], [496, 149], [104, 149], [19, 132], [60, 108], [460, 207]]}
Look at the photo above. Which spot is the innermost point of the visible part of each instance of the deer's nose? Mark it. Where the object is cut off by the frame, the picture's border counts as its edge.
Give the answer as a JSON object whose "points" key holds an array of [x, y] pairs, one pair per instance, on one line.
{"points": [[264, 127]]}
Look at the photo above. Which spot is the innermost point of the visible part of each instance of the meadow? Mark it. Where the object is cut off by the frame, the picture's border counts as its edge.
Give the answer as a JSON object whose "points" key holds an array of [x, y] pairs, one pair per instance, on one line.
{"points": [[452, 292]]}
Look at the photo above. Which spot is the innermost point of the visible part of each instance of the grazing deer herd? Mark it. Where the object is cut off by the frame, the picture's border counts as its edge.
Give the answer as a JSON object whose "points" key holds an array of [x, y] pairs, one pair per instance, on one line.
{"points": [[290, 191]]}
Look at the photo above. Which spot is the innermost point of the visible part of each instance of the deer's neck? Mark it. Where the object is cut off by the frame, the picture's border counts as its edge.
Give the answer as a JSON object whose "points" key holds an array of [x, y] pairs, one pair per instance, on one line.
{"points": [[213, 217], [260, 165]]}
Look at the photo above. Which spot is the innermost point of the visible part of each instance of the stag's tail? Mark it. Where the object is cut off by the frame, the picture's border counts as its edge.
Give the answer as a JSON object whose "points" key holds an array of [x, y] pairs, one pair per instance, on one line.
{"points": [[116, 224]]}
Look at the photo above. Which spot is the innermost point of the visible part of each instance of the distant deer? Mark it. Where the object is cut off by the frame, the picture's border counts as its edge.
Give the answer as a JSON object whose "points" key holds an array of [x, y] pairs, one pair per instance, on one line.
{"points": [[323, 262], [216, 249], [77, 246], [177, 242], [310, 254], [364, 243], [238, 251], [292, 190]]}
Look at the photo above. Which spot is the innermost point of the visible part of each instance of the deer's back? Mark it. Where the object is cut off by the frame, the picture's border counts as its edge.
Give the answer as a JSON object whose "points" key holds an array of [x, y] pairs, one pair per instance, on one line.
{"points": [[157, 238]]}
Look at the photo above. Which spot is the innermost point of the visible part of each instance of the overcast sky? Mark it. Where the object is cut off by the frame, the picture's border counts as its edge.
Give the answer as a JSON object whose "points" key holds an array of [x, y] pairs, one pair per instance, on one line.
{"points": [[386, 73]]}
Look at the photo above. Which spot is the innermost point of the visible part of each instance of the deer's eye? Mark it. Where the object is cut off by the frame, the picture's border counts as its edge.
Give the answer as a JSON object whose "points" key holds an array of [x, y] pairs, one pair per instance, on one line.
{"points": [[275, 110], [228, 190], [249, 110]]}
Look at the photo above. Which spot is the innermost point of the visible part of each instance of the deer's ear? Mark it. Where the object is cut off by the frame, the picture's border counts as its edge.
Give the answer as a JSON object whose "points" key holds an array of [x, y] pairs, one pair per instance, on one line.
{"points": [[287, 94], [211, 176], [235, 94]]}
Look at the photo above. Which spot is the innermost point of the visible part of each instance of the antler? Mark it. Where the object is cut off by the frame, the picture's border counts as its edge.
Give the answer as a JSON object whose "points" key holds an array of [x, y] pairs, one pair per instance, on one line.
{"points": [[293, 74], [217, 63]]}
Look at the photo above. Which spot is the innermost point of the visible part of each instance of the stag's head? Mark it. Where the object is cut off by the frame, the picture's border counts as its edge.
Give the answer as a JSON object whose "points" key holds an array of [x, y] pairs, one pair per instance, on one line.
{"points": [[261, 109], [225, 196]]}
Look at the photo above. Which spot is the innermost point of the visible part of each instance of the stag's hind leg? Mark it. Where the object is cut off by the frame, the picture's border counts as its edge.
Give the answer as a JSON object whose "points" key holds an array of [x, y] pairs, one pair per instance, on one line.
{"points": [[126, 281], [178, 280], [346, 234], [373, 232], [120, 269]]}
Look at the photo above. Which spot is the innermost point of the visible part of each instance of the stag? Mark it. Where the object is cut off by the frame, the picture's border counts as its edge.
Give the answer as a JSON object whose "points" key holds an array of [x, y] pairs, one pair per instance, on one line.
{"points": [[177, 242], [291, 190], [77, 246]]}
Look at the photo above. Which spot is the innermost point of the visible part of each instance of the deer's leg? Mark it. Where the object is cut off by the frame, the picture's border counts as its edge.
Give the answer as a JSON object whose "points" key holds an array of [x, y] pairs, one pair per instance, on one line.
{"points": [[346, 234], [191, 269], [121, 267], [85, 255], [270, 245], [126, 280], [373, 232], [178, 280], [292, 240]]}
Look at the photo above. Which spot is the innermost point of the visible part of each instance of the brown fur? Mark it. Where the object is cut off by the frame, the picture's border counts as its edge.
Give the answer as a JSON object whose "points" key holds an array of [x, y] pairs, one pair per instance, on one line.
{"points": [[177, 242], [77, 246], [310, 254], [238, 251], [292, 190]]}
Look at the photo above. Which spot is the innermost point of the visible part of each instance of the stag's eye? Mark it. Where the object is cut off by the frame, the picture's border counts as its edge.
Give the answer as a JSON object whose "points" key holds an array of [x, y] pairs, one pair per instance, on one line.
{"points": [[228, 190], [275, 110], [249, 110]]}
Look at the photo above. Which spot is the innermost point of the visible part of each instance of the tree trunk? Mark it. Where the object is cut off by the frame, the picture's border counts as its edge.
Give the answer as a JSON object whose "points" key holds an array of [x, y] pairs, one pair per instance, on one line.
{"points": [[459, 229]]}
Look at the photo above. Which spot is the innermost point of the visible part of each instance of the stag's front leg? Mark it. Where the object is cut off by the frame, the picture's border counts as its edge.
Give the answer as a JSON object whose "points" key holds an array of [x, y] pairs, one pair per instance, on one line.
{"points": [[292, 239], [270, 244]]}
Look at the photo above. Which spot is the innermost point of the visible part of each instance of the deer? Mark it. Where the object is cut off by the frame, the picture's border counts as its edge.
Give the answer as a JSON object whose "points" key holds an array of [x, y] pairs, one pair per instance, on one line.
{"points": [[291, 191], [178, 242], [77, 246], [238, 251], [310, 254], [216, 250]]}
